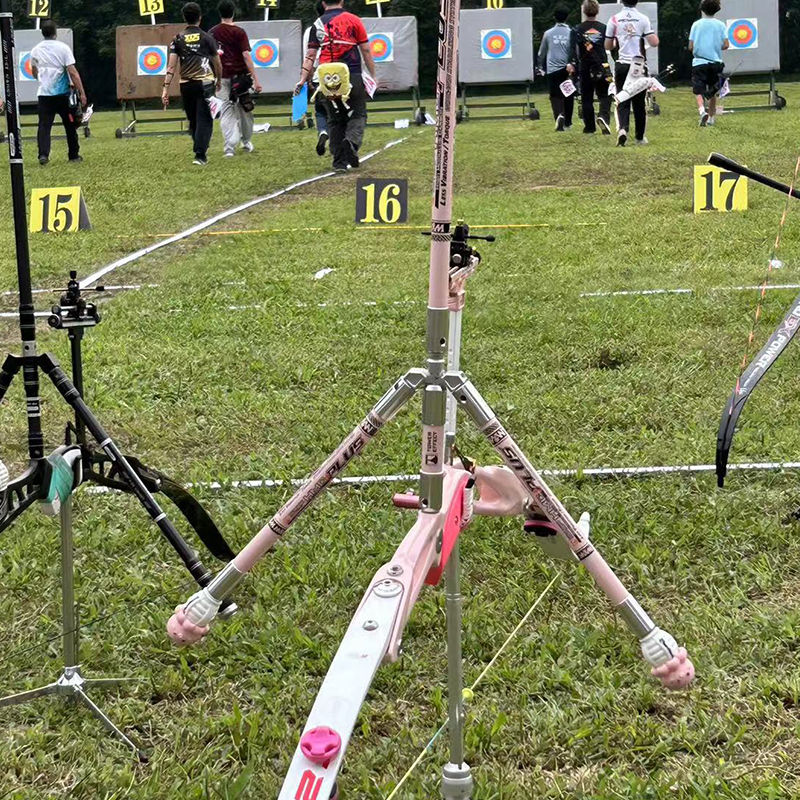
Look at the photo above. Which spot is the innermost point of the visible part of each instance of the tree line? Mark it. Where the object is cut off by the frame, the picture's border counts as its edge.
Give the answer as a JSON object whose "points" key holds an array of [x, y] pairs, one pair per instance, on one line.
{"points": [[93, 23]]}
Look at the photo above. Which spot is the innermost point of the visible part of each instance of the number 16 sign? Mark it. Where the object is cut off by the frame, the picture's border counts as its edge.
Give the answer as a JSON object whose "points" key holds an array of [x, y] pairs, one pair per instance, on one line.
{"points": [[717, 189]]}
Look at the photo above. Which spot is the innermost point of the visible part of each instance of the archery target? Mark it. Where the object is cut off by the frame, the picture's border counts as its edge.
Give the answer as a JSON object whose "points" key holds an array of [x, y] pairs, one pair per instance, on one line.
{"points": [[743, 33], [151, 60], [496, 43], [382, 47], [266, 53], [25, 68]]}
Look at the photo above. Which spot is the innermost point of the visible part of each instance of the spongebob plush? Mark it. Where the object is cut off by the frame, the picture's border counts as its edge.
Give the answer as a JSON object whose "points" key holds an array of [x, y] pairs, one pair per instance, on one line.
{"points": [[334, 81]]}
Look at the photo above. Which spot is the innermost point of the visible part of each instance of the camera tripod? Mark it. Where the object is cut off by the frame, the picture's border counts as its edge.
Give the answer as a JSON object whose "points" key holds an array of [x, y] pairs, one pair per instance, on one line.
{"points": [[444, 506]]}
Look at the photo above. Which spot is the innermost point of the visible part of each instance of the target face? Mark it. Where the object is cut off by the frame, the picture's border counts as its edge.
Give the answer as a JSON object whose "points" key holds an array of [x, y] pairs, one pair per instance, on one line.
{"points": [[743, 33], [382, 47], [265, 53], [151, 59], [25, 68], [496, 43]]}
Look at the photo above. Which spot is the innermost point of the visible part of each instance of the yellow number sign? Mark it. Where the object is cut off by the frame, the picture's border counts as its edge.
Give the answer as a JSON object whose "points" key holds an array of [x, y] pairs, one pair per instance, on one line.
{"points": [[717, 189], [375, 2], [58, 210], [148, 7], [267, 3], [380, 200], [39, 8], [494, 3]]}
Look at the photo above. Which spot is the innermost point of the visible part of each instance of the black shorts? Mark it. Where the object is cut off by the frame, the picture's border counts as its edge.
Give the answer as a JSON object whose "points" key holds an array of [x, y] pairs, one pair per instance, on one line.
{"points": [[706, 79]]}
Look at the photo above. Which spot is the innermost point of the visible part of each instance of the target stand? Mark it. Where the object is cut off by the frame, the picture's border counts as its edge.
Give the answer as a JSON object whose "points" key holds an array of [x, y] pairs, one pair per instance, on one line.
{"points": [[27, 85], [142, 52], [395, 50], [753, 28], [495, 57]]}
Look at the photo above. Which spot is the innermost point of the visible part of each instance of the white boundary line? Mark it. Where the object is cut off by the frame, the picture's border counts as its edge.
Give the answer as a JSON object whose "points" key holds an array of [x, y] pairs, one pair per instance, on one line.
{"points": [[121, 262], [644, 292], [596, 472]]}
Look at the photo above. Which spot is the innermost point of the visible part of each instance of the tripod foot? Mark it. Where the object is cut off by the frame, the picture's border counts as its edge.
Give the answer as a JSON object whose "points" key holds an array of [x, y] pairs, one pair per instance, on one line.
{"points": [[456, 782], [79, 694]]}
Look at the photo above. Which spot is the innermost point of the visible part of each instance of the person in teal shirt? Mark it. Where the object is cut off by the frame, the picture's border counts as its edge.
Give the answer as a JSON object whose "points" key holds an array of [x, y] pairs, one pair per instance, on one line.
{"points": [[707, 40]]}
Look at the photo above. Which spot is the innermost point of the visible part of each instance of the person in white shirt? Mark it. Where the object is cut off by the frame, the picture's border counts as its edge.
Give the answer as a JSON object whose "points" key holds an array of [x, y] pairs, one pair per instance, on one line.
{"points": [[53, 65], [630, 29]]}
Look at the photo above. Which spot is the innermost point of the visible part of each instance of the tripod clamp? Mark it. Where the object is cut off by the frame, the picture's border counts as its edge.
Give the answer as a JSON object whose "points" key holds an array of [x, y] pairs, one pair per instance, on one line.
{"points": [[73, 310]]}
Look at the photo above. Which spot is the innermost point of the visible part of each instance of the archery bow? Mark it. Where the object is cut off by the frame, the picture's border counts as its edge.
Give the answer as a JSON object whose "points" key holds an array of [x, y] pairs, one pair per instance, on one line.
{"points": [[752, 373]]}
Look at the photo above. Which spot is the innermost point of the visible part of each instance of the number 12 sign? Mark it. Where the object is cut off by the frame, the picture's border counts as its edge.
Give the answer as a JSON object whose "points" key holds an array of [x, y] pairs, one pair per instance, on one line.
{"points": [[717, 189]]}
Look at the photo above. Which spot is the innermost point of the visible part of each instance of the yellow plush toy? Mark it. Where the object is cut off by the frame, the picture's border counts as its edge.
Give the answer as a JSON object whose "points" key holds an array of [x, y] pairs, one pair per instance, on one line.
{"points": [[334, 81]]}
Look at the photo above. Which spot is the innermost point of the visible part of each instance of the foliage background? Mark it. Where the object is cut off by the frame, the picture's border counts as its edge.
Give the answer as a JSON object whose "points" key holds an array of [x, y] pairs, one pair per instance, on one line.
{"points": [[94, 22]]}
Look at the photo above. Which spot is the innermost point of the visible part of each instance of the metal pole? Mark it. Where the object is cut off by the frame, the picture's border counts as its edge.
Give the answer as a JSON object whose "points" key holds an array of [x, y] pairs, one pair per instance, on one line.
{"points": [[266, 13], [68, 616], [380, 13]]}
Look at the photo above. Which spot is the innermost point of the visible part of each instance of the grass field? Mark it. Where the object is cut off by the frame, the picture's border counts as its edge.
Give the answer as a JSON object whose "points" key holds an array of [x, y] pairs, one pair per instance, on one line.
{"points": [[206, 393]]}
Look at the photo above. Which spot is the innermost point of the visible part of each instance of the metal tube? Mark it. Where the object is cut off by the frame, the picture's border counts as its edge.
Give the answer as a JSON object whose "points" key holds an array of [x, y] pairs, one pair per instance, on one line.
{"points": [[68, 617]]}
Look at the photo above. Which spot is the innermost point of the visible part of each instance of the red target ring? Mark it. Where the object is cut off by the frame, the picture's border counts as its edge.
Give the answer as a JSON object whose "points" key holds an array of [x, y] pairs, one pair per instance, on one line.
{"points": [[743, 34]]}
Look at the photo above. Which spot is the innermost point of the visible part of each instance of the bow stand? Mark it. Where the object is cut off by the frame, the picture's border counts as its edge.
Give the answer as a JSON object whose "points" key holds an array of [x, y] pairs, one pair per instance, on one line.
{"points": [[444, 508]]}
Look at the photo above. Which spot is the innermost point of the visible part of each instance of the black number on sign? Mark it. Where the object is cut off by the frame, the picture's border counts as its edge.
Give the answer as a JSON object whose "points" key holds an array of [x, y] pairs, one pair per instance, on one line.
{"points": [[384, 201], [39, 8], [716, 180], [61, 219]]}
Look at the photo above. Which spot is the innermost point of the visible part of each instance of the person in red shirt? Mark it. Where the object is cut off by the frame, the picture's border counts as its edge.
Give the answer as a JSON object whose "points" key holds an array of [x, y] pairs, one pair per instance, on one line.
{"points": [[339, 36], [238, 77]]}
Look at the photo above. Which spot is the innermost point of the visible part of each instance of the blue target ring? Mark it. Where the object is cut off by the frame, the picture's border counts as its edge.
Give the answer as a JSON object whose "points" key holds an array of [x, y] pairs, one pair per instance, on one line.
{"points": [[152, 60], [265, 53], [382, 47], [496, 44], [743, 34]]}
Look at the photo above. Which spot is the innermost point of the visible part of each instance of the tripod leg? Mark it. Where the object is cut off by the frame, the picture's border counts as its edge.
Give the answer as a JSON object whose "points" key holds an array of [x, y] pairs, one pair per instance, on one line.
{"points": [[109, 725], [189, 557], [7, 372], [31, 694], [658, 647], [189, 623]]}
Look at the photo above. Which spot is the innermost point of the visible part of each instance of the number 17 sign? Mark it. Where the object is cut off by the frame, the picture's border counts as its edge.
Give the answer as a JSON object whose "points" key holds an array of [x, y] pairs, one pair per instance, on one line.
{"points": [[717, 189]]}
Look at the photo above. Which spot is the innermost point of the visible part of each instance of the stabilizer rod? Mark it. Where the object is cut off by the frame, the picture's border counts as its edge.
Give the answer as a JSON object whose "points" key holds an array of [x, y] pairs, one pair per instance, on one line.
{"points": [[718, 160]]}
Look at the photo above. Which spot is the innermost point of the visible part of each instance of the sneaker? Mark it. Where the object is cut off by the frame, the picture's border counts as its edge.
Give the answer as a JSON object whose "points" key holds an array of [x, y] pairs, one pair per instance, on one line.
{"points": [[76, 160], [604, 127], [349, 153], [704, 119], [622, 137], [228, 154], [200, 161], [560, 123], [340, 170], [643, 140], [568, 127], [586, 130], [322, 142], [44, 160], [712, 120], [248, 147]]}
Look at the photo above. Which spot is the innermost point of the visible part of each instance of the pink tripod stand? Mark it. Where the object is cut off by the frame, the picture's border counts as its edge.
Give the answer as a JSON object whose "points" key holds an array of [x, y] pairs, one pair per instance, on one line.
{"points": [[445, 507]]}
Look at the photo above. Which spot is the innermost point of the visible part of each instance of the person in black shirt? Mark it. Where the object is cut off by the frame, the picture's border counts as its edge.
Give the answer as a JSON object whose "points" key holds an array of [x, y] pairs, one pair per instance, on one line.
{"points": [[594, 71], [201, 74]]}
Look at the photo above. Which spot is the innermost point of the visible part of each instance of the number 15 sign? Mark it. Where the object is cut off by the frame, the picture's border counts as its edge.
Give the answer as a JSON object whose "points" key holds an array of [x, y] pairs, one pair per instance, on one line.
{"points": [[717, 189]]}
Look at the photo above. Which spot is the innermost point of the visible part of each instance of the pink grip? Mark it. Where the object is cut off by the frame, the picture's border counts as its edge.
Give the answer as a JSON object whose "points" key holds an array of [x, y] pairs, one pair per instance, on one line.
{"points": [[321, 744], [182, 631], [677, 673]]}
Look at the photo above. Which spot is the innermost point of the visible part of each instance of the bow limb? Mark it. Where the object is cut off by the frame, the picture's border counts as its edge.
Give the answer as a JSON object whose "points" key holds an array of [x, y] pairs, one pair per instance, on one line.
{"points": [[748, 381]]}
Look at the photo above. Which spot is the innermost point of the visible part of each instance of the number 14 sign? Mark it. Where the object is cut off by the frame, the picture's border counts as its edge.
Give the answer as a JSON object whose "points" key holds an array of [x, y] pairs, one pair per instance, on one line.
{"points": [[717, 189]]}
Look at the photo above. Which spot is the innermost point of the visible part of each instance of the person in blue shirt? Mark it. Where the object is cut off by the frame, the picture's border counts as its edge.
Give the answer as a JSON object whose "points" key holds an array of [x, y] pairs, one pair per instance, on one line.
{"points": [[707, 40], [557, 56]]}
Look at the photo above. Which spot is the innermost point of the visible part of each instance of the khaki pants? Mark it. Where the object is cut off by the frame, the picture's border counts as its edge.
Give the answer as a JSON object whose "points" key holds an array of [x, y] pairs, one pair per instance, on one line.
{"points": [[236, 124]]}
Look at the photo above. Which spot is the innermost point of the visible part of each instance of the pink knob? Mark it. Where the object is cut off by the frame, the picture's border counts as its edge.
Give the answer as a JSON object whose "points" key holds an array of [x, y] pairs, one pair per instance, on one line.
{"points": [[321, 744]]}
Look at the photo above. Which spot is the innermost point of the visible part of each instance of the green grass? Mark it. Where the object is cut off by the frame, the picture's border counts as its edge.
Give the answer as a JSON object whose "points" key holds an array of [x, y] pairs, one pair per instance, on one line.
{"points": [[207, 393]]}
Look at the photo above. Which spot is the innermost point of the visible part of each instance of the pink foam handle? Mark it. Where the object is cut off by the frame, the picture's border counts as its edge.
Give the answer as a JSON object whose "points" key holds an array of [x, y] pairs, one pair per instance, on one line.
{"points": [[677, 673], [183, 632], [321, 744]]}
